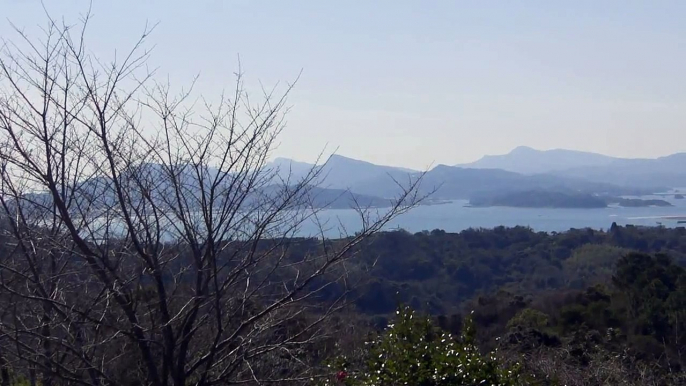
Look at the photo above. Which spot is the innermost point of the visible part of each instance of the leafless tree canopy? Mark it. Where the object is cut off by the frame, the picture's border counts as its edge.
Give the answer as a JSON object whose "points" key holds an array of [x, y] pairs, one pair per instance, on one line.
{"points": [[145, 240]]}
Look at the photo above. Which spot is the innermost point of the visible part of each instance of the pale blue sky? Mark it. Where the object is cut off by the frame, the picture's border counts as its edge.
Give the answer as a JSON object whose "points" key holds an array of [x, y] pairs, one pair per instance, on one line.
{"points": [[412, 83]]}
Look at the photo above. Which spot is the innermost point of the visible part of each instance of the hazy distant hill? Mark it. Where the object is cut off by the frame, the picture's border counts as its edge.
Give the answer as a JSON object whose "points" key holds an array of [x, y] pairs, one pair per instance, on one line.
{"points": [[669, 171], [346, 180], [341, 172], [531, 161], [664, 171], [456, 182], [451, 182], [99, 192], [335, 198]]}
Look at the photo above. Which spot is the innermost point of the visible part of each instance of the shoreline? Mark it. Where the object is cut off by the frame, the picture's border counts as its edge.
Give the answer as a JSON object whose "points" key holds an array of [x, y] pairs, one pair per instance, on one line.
{"points": [[670, 217]]}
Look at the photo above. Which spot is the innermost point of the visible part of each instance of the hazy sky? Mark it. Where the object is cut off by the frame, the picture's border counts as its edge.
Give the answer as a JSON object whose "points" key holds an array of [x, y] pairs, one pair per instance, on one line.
{"points": [[413, 83]]}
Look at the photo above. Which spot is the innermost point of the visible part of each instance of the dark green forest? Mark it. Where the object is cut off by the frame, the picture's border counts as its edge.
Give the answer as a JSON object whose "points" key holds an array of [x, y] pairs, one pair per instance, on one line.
{"points": [[505, 306], [582, 307]]}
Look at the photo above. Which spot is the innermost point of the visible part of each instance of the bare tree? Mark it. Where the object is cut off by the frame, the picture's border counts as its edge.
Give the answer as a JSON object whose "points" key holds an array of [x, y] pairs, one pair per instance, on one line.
{"points": [[146, 239]]}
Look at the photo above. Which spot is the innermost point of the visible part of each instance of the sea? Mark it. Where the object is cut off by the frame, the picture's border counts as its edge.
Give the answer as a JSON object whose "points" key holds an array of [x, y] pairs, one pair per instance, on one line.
{"points": [[455, 216]]}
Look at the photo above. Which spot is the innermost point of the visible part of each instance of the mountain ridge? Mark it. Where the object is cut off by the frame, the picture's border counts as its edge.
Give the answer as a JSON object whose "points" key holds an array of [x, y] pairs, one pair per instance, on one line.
{"points": [[340, 172], [641, 172], [527, 160], [452, 182]]}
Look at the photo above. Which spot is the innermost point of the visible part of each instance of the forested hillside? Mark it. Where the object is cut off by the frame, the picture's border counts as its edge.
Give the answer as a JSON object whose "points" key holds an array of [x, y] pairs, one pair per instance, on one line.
{"points": [[438, 271], [582, 307]]}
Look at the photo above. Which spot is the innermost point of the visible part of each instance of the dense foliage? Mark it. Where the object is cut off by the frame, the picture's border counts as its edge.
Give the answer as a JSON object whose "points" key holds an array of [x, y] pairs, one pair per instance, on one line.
{"points": [[582, 307], [412, 351], [438, 271]]}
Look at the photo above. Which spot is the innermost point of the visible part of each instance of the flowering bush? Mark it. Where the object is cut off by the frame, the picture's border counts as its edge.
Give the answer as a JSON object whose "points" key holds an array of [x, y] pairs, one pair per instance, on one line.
{"points": [[412, 351]]}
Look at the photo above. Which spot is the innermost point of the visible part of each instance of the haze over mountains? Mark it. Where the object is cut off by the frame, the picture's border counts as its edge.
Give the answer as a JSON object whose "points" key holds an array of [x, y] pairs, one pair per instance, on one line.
{"points": [[341, 172], [522, 169], [526, 160], [639, 172]]}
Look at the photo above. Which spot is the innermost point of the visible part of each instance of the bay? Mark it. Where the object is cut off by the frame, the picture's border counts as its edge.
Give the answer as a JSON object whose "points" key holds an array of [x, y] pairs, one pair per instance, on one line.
{"points": [[456, 216]]}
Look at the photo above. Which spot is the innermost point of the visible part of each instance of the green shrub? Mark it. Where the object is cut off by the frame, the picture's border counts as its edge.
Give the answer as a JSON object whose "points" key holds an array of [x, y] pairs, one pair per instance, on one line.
{"points": [[528, 318], [412, 351]]}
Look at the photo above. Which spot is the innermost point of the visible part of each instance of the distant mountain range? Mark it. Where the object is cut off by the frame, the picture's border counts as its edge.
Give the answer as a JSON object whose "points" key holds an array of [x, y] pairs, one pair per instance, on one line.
{"points": [[526, 160], [453, 182], [465, 183], [99, 192], [339, 172], [639, 172], [343, 181]]}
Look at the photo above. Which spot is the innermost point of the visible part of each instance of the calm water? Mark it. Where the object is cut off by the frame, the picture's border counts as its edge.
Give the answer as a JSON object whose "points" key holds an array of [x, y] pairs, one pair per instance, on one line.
{"points": [[454, 217]]}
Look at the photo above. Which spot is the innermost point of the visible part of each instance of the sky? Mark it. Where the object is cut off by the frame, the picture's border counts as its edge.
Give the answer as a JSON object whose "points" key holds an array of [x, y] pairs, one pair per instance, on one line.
{"points": [[420, 83]]}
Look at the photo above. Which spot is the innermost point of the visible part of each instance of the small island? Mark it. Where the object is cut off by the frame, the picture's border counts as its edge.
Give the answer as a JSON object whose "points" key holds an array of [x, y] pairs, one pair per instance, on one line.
{"points": [[678, 196], [637, 202], [539, 199], [556, 199]]}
